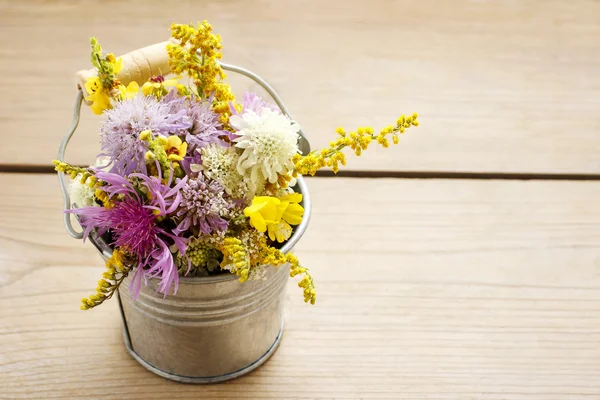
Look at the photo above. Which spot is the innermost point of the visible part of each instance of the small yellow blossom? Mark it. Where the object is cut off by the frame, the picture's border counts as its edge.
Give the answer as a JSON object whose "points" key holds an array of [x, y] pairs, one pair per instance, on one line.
{"points": [[158, 86], [117, 63], [130, 91], [291, 214], [275, 215], [183, 90], [263, 212], [116, 271], [149, 156], [174, 147], [97, 95]]}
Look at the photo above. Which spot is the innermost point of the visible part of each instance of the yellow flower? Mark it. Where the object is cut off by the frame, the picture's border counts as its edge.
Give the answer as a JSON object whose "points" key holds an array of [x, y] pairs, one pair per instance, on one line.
{"points": [[156, 86], [262, 212], [130, 91], [293, 211], [291, 214], [275, 215], [174, 147], [182, 90], [97, 95], [117, 63], [93, 85], [100, 102]]}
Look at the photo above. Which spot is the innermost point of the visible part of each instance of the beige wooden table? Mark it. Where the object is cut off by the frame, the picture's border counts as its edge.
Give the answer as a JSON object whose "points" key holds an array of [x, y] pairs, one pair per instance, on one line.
{"points": [[428, 288]]}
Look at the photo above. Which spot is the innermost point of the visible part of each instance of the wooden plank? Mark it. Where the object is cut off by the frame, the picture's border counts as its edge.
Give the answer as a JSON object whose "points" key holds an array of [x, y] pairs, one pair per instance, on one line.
{"points": [[501, 86], [427, 290]]}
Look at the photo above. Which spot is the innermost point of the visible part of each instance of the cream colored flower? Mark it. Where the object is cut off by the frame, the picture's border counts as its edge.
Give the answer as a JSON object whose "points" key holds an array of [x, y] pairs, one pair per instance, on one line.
{"points": [[219, 163], [81, 195], [269, 141]]}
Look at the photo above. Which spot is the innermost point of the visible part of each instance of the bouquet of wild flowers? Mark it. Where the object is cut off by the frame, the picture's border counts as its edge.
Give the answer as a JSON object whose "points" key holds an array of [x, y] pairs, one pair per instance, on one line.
{"points": [[191, 182]]}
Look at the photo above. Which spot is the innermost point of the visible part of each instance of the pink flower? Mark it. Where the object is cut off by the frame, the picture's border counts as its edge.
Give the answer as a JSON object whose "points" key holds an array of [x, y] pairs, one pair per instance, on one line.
{"points": [[132, 221]]}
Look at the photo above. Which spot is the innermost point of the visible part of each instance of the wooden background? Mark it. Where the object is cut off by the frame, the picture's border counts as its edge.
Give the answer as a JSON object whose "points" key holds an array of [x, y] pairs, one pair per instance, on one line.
{"points": [[428, 288]]}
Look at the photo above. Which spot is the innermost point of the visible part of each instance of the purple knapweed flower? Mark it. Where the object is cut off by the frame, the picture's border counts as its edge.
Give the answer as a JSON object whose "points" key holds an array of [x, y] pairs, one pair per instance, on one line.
{"points": [[132, 219]]}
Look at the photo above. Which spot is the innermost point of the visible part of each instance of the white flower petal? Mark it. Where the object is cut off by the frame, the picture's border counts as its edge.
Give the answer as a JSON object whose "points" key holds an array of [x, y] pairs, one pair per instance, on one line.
{"points": [[236, 122], [196, 167], [269, 141]]}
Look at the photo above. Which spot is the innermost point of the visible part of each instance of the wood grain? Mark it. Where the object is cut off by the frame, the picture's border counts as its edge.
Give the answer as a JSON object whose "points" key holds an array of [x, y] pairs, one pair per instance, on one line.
{"points": [[428, 289], [501, 86]]}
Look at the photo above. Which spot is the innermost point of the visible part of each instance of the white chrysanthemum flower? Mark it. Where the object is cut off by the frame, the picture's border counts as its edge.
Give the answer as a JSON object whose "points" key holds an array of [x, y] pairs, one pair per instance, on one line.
{"points": [[81, 195], [269, 141]]}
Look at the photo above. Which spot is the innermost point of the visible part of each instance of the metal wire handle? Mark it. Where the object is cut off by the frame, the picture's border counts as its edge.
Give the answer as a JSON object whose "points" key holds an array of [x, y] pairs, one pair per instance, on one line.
{"points": [[61, 157], [303, 143]]}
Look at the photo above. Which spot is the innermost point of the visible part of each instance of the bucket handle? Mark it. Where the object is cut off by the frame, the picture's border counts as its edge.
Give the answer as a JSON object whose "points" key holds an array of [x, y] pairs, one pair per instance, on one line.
{"points": [[128, 60]]}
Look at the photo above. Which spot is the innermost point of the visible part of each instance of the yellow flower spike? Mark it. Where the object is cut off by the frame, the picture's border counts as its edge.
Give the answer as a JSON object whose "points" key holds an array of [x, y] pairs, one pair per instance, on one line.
{"points": [[163, 141], [358, 141], [102, 196], [205, 72], [272, 256], [91, 182], [235, 255], [112, 278]]}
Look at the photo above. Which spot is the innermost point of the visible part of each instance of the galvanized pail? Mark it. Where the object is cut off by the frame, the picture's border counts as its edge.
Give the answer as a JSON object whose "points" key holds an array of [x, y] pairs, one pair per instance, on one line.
{"points": [[214, 328]]}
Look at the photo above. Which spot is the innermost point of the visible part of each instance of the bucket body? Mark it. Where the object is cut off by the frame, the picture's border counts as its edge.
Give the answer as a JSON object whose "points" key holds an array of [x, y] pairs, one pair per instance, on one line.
{"points": [[213, 329]]}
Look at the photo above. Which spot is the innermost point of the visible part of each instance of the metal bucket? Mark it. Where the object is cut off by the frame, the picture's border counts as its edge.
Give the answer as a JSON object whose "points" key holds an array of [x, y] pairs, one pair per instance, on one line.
{"points": [[214, 328]]}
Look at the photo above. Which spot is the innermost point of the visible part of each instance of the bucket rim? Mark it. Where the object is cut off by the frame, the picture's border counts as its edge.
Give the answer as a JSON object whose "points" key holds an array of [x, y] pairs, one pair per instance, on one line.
{"points": [[299, 230]]}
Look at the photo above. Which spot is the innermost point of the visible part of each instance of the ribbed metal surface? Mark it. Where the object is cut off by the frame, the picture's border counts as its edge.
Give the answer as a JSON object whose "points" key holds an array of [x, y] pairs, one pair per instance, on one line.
{"points": [[214, 328]]}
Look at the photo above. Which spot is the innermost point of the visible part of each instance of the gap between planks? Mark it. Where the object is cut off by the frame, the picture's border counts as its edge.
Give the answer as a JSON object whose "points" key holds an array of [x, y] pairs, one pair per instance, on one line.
{"points": [[48, 169]]}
